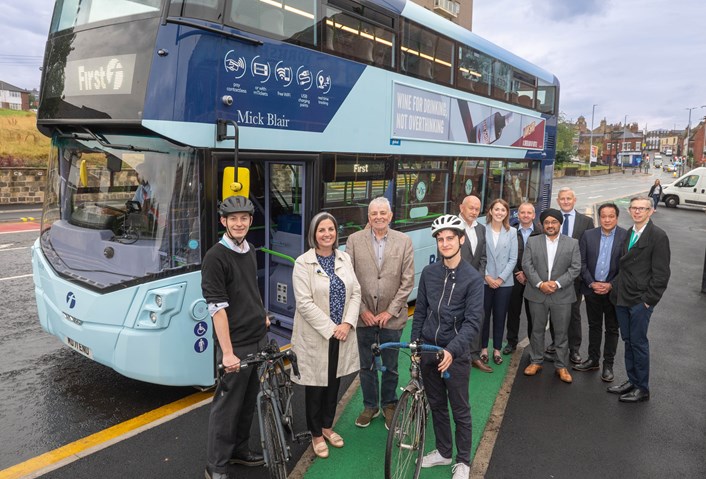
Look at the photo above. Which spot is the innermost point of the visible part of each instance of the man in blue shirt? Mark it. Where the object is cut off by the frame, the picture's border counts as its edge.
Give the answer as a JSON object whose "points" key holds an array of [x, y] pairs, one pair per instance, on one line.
{"points": [[600, 253]]}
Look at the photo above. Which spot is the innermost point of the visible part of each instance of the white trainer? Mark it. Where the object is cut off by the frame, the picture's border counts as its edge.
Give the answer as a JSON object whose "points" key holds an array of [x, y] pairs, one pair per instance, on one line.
{"points": [[461, 471], [435, 459]]}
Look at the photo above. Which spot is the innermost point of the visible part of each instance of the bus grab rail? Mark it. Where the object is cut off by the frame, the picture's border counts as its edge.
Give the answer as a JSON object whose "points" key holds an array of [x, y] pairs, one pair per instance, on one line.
{"points": [[277, 253]]}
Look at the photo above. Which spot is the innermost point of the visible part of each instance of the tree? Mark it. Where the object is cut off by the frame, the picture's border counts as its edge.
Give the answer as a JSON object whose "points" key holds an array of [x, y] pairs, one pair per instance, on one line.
{"points": [[564, 140]]}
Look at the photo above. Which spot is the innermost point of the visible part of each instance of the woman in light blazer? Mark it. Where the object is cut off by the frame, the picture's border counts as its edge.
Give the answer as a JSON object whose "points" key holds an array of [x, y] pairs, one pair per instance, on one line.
{"points": [[501, 252], [327, 294]]}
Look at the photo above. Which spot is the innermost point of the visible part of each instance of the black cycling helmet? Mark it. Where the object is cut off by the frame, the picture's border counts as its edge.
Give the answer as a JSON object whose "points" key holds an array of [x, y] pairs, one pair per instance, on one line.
{"points": [[236, 204]]}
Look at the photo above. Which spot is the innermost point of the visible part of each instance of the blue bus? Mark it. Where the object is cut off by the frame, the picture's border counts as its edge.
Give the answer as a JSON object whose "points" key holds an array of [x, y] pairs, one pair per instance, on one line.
{"points": [[158, 109]]}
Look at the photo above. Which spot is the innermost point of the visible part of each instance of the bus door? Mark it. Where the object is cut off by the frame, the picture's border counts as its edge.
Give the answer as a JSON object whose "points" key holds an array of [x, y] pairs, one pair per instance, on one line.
{"points": [[285, 199]]}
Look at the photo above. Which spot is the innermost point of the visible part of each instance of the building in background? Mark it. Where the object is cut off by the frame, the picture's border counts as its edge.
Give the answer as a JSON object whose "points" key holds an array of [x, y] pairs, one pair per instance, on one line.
{"points": [[12, 97], [458, 11]]}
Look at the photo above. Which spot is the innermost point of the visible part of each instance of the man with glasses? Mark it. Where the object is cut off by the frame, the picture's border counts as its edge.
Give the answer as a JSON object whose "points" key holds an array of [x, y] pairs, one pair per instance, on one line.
{"points": [[642, 279]]}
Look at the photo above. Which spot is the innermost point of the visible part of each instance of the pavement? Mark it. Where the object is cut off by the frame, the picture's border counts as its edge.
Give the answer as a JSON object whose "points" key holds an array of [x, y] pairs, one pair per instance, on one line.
{"points": [[542, 429]]}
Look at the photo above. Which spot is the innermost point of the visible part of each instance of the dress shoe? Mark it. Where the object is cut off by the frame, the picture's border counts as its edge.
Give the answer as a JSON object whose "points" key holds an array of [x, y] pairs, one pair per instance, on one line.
{"points": [[248, 458], [509, 349], [215, 475], [478, 364], [607, 374], [533, 369], [564, 375], [626, 387], [550, 349], [587, 365], [636, 395], [575, 357]]}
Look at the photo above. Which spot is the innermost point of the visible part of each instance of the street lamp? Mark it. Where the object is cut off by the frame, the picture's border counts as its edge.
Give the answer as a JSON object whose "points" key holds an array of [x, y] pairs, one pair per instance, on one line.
{"points": [[622, 147], [590, 148], [688, 134]]}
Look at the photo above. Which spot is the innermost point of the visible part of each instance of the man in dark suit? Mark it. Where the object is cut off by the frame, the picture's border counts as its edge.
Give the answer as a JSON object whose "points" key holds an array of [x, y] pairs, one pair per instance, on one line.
{"points": [[474, 252], [551, 262], [527, 227], [601, 249], [574, 224], [642, 278]]}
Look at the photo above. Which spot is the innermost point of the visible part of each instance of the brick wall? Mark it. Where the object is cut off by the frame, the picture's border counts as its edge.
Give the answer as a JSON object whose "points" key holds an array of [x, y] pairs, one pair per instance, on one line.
{"points": [[22, 186]]}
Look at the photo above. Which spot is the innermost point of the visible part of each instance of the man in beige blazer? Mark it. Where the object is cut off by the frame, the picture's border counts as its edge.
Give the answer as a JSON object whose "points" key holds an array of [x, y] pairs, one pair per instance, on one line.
{"points": [[383, 260]]}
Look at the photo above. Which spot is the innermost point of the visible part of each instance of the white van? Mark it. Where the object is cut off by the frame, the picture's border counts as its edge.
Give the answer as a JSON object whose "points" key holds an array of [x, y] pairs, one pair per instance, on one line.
{"points": [[689, 190], [657, 162]]}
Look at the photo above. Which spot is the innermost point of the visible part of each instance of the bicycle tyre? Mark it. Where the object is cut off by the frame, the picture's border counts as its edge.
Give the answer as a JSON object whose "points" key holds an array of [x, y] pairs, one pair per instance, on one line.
{"points": [[405, 439], [281, 385], [274, 449]]}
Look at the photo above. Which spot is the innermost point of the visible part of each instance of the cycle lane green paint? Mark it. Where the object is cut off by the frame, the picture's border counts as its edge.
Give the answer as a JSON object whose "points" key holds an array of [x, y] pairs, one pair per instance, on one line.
{"points": [[363, 456]]}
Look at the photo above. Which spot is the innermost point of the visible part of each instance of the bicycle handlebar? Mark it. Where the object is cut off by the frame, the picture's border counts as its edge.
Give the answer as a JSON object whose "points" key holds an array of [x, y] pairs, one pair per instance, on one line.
{"points": [[415, 347], [270, 353]]}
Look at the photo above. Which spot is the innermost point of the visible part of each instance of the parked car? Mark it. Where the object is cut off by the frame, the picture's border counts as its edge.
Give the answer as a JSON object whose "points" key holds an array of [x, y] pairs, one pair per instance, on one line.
{"points": [[669, 167]]}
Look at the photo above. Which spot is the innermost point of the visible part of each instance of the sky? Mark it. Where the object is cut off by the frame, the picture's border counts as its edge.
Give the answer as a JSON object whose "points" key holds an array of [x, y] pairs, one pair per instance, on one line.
{"points": [[642, 58]]}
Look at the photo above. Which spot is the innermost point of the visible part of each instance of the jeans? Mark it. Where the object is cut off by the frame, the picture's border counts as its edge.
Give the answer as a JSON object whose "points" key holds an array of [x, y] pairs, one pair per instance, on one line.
{"points": [[655, 199], [633, 321], [374, 394]]}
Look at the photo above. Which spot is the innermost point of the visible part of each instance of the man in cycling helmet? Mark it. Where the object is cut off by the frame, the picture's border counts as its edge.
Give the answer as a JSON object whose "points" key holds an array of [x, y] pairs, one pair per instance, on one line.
{"points": [[229, 285], [449, 314]]}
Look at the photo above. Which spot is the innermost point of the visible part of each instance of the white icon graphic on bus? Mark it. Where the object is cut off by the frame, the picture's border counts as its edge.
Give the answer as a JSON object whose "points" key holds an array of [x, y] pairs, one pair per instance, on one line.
{"points": [[235, 64], [284, 74], [323, 82], [260, 69], [304, 78], [200, 345]]}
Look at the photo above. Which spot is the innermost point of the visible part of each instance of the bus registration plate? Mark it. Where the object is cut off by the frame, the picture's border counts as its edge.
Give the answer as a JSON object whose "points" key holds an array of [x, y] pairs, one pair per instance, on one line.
{"points": [[78, 347]]}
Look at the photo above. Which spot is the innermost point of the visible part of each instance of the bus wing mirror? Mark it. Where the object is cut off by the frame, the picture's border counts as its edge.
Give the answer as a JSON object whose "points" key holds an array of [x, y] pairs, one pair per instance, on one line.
{"points": [[83, 173], [231, 187]]}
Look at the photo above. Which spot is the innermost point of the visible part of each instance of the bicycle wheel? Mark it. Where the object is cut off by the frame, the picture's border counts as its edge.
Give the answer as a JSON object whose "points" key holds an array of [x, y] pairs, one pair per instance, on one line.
{"points": [[281, 385], [405, 440], [274, 449]]}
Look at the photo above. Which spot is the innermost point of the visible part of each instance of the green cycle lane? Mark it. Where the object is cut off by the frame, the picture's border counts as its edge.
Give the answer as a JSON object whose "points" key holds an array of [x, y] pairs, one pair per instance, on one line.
{"points": [[363, 455]]}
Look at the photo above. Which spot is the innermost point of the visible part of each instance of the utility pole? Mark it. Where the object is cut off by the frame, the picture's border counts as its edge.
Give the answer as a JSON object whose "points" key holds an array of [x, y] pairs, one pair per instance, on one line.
{"points": [[590, 148], [688, 134]]}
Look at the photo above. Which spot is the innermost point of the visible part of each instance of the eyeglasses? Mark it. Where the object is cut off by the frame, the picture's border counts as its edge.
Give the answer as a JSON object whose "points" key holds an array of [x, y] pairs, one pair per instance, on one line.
{"points": [[639, 209]]}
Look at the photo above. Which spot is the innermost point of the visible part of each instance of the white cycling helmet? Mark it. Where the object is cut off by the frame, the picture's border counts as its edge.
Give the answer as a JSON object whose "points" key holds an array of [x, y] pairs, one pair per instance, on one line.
{"points": [[447, 222]]}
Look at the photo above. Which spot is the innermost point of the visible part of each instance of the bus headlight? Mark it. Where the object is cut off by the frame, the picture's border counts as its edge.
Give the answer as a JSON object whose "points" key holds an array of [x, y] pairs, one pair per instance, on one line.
{"points": [[160, 305]]}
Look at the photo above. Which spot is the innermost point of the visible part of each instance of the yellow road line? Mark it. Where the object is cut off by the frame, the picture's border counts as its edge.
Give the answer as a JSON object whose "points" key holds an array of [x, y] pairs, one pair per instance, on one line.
{"points": [[75, 448]]}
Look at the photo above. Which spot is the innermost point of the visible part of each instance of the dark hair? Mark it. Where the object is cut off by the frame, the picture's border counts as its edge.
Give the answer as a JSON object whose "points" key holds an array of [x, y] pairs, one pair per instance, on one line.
{"points": [[609, 205], [314, 225]]}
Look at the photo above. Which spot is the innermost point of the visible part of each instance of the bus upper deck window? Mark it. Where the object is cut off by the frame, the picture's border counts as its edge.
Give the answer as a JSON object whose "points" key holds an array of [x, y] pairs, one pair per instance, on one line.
{"points": [[288, 19]]}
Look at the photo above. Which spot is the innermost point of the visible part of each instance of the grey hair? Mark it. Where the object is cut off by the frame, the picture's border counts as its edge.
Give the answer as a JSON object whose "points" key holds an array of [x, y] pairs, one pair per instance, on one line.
{"points": [[313, 226], [526, 203], [380, 201], [565, 188], [642, 198]]}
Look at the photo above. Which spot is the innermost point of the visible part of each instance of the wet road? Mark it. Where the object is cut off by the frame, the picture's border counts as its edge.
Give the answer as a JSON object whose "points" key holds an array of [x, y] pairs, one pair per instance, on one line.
{"points": [[52, 396]]}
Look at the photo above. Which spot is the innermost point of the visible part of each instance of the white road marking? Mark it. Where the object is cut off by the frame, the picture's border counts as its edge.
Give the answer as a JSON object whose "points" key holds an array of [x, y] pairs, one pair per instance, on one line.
{"points": [[592, 197], [18, 231], [16, 277], [11, 249]]}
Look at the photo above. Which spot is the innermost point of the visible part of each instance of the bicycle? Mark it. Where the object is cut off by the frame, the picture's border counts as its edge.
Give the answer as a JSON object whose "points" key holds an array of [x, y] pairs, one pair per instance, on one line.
{"points": [[274, 406], [405, 438]]}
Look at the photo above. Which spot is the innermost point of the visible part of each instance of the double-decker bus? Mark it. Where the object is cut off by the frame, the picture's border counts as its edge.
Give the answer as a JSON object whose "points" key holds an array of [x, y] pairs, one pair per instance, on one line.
{"points": [[158, 109]]}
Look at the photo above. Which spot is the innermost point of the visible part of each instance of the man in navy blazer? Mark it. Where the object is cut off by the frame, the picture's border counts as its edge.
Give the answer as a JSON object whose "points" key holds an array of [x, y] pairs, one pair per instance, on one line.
{"points": [[473, 250], [601, 249]]}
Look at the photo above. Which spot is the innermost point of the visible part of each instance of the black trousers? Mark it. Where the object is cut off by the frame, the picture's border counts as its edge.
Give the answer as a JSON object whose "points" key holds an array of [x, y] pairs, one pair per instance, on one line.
{"points": [[442, 392], [598, 307], [321, 401], [513, 314], [232, 411]]}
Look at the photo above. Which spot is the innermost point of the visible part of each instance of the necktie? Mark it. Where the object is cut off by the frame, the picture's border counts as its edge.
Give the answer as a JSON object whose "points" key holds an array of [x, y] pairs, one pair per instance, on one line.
{"points": [[633, 239], [565, 226]]}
